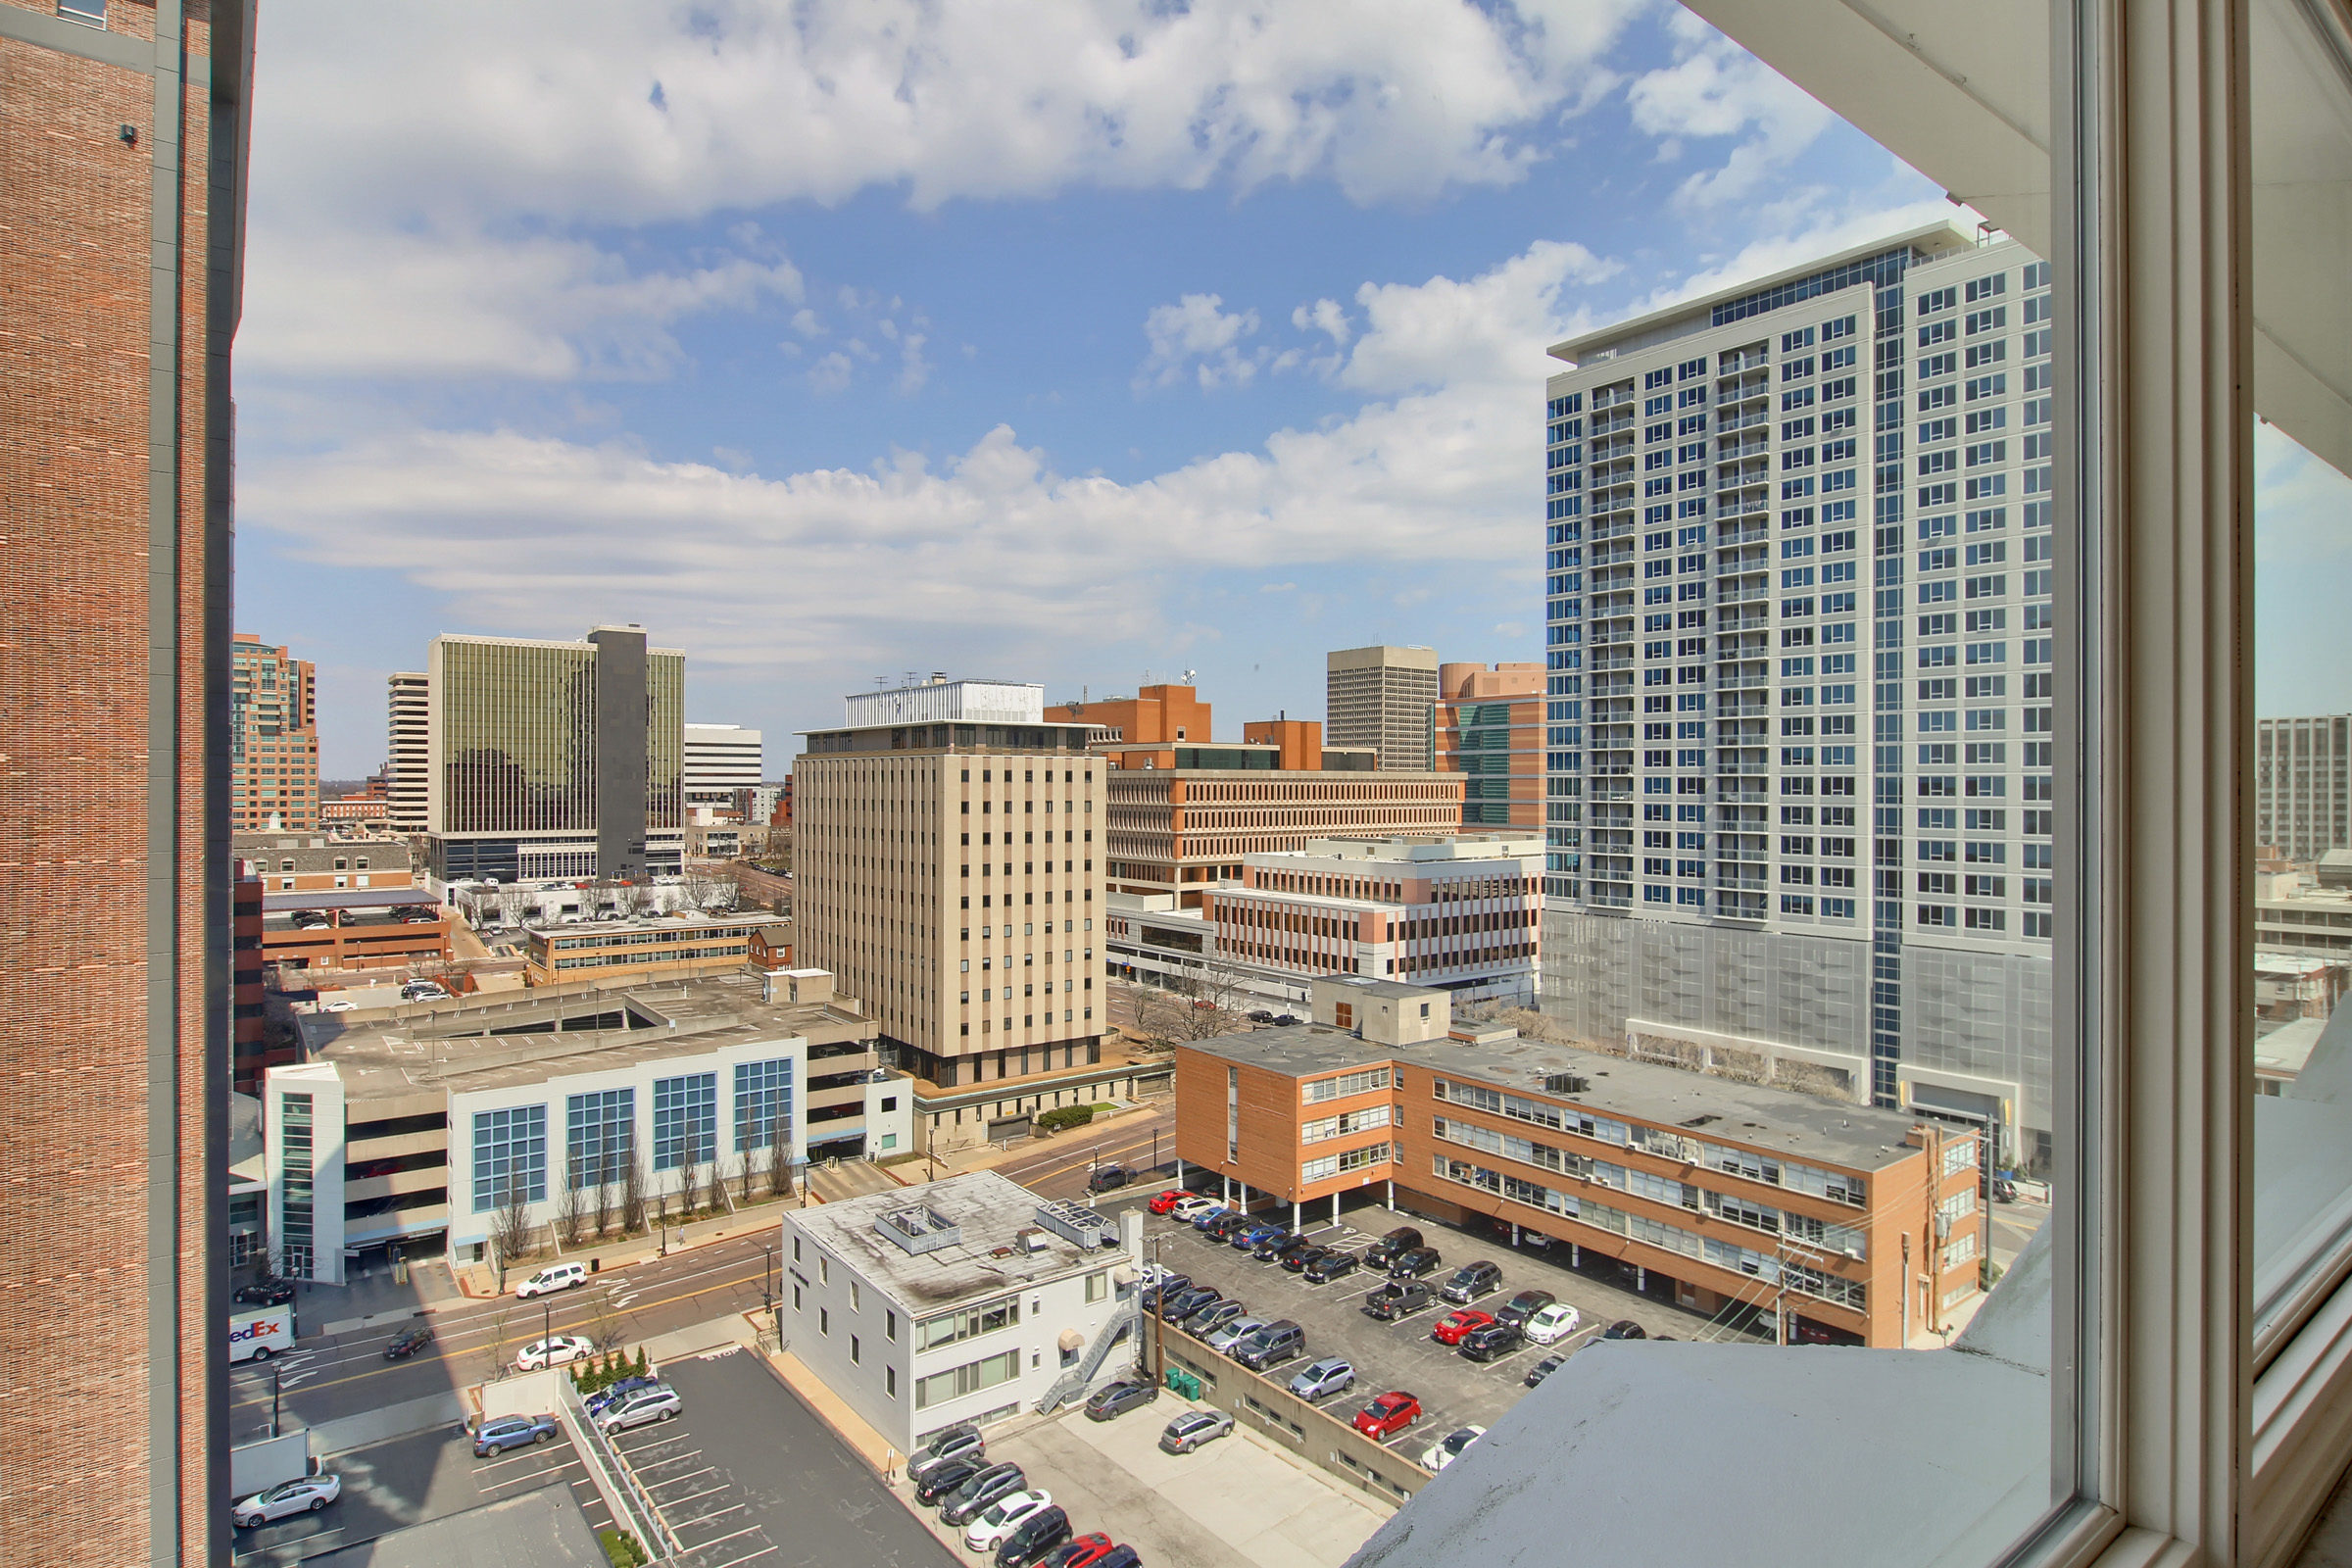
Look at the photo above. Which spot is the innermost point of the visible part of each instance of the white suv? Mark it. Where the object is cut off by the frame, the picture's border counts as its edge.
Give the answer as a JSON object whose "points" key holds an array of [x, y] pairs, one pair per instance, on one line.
{"points": [[553, 1277], [658, 1402]]}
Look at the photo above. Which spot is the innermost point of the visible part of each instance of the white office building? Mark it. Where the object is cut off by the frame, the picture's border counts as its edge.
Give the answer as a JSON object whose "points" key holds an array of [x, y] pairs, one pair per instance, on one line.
{"points": [[720, 759], [964, 1299], [1797, 726]]}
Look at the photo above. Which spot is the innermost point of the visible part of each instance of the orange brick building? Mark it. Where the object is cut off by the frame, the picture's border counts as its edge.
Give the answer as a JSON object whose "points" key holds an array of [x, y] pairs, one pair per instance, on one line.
{"points": [[1488, 726], [121, 230], [272, 739], [1856, 1226]]}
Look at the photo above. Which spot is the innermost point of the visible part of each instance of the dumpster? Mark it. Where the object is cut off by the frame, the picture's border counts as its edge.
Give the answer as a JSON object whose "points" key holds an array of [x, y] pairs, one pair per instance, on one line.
{"points": [[1184, 1383]]}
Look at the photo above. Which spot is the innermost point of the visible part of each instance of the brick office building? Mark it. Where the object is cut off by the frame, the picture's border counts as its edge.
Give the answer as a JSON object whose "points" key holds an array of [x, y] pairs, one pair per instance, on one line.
{"points": [[121, 202], [1487, 724], [272, 737], [1732, 1200]]}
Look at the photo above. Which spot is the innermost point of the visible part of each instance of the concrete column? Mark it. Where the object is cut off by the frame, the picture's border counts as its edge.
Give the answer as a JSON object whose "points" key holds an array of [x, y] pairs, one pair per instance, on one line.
{"points": [[1514, 1233], [1293, 1214], [1335, 1208], [1180, 1170], [1640, 1278], [1392, 1186], [1576, 1255]]}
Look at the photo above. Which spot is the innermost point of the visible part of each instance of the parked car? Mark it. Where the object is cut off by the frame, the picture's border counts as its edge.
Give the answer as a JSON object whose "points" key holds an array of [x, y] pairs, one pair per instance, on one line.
{"points": [[1283, 1020], [302, 1495], [1333, 1374], [1398, 1298], [1493, 1342], [1278, 1342], [408, 1342], [1403, 1239], [1386, 1415], [1552, 1323], [1108, 1179], [1455, 1327], [1448, 1448], [1330, 1267], [1002, 1516], [1034, 1537], [1625, 1328], [959, 1442], [640, 1409], [561, 1350], [1194, 1427], [1415, 1263], [1164, 1203], [1296, 1261], [613, 1391], [555, 1277], [1213, 1316], [1248, 1238], [1204, 1218], [1117, 1399], [1164, 1287], [1081, 1551], [1222, 1227], [1223, 1337], [946, 1476], [1278, 1247], [501, 1433], [1526, 1305], [1190, 1206], [1544, 1368], [339, 1005], [969, 1501], [1472, 1281], [1176, 1308], [267, 1290]]}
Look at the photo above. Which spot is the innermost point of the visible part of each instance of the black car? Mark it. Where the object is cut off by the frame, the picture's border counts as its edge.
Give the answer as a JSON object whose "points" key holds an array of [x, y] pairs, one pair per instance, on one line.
{"points": [[1276, 1244], [1330, 1267], [1544, 1368], [1261, 1016], [1493, 1342], [1399, 1299], [1117, 1399], [1221, 1228], [1285, 1019], [945, 1477], [264, 1292], [974, 1497], [1108, 1178], [1385, 1250], [1625, 1328], [408, 1342], [1034, 1537], [1167, 1284], [1296, 1261], [1526, 1305], [1413, 1262], [1176, 1308]]}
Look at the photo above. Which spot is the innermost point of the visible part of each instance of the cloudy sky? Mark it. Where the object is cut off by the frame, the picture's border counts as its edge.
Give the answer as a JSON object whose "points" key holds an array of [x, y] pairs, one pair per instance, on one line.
{"points": [[1084, 343]]}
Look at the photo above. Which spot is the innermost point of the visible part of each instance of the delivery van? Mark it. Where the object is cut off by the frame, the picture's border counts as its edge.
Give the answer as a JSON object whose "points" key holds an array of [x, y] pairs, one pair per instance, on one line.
{"points": [[258, 1335]]}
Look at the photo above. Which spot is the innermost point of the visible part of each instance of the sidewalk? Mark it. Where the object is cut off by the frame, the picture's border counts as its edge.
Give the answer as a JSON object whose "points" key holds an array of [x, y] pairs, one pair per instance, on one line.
{"points": [[479, 1281], [986, 1156]]}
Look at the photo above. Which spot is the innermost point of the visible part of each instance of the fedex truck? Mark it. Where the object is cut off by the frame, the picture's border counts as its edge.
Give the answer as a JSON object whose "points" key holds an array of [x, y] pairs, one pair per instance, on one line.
{"points": [[258, 1335]]}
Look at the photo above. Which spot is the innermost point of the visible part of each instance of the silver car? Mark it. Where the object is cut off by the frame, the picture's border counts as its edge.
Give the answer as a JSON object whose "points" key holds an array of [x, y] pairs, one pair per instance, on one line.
{"points": [[1189, 1431], [1333, 1374], [303, 1495], [1222, 1337], [649, 1404]]}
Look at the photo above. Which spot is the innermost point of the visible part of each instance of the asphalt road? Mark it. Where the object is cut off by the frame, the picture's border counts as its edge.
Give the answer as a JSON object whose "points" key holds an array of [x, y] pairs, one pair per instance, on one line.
{"points": [[327, 1377], [1058, 1167]]}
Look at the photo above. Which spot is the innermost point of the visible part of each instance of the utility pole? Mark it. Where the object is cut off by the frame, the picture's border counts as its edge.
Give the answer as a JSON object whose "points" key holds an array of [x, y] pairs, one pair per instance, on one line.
{"points": [[1160, 1323]]}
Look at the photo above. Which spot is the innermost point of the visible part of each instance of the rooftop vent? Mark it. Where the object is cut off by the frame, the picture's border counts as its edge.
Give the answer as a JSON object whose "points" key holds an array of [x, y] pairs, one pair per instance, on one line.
{"points": [[1699, 1122], [1076, 1223], [1566, 1083], [920, 1229]]}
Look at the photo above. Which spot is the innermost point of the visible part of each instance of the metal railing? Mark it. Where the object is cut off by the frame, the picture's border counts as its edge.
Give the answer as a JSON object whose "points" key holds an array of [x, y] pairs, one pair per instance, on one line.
{"points": [[630, 1505]]}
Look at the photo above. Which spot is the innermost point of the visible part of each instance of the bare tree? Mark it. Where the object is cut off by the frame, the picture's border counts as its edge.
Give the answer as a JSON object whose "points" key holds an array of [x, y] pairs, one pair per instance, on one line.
{"points": [[636, 898], [779, 1153], [604, 1195], [510, 1225], [714, 1187], [512, 903], [1193, 1006], [698, 886], [567, 1209], [632, 1192], [690, 1177], [747, 1164]]}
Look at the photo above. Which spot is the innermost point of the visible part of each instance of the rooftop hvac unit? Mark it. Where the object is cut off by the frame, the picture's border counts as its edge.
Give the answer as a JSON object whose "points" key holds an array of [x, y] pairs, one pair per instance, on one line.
{"points": [[920, 1229], [1076, 1223], [1566, 1083]]}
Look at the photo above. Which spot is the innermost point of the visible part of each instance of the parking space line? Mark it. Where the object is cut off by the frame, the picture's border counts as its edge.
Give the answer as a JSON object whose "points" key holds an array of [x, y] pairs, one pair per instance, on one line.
{"points": [[716, 1513], [671, 1481], [710, 1492], [738, 1563], [497, 1464], [720, 1540], [674, 1458]]}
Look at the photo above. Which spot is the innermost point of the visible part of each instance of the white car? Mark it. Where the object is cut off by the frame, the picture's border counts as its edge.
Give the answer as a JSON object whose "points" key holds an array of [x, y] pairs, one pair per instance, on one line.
{"points": [[1448, 1448], [555, 1277], [1552, 1324], [1192, 1207], [657, 1402], [1003, 1517], [561, 1350], [340, 1005], [303, 1495]]}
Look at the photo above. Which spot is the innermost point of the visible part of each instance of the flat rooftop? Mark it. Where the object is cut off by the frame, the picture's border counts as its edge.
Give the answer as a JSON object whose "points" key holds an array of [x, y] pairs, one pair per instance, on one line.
{"points": [[655, 922], [437, 1046], [991, 1258], [1773, 1121]]}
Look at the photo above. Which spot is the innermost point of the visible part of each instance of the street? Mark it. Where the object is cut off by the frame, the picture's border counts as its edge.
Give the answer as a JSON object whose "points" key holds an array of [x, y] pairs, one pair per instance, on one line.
{"points": [[1060, 1166], [330, 1376]]}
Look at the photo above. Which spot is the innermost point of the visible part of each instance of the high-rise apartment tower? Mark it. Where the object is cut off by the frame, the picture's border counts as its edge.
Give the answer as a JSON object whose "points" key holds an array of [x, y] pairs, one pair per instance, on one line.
{"points": [[405, 770], [123, 133], [1798, 725], [1379, 696], [2303, 784], [948, 870], [272, 738]]}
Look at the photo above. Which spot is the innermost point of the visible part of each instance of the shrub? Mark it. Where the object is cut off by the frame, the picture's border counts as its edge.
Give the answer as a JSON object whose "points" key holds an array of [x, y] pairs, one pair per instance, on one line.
{"points": [[622, 1549], [1062, 1116]]}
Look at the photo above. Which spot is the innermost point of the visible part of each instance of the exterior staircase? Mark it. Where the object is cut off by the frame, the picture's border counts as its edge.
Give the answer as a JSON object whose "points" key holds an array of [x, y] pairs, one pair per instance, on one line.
{"points": [[1076, 1381]]}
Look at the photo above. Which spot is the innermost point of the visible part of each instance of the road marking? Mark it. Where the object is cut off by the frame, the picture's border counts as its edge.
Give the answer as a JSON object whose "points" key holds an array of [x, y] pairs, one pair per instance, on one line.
{"points": [[720, 1540], [672, 1459], [521, 1455], [764, 1551], [709, 1469], [716, 1513]]}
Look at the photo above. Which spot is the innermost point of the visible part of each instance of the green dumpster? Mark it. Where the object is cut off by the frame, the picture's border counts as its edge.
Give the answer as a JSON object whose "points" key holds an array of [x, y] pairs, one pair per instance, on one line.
{"points": [[1184, 1383]]}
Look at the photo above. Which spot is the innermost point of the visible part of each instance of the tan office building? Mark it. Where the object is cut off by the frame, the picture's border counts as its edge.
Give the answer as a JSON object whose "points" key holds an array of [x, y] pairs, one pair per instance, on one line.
{"points": [[1379, 696], [411, 731]]}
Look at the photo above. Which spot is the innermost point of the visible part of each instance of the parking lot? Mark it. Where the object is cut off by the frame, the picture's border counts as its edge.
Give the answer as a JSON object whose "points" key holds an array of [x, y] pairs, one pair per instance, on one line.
{"points": [[1453, 1389], [405, 1480], [746, 1477]]}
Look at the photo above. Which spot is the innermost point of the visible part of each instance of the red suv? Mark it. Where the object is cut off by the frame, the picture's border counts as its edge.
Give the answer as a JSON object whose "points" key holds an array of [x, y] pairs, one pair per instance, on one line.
{"points": [[1386, 1415], [1455, 1327]]}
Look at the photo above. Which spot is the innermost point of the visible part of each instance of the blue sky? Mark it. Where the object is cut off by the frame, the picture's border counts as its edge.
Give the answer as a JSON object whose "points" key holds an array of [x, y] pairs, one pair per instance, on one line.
{"points": [[1079, 343]]}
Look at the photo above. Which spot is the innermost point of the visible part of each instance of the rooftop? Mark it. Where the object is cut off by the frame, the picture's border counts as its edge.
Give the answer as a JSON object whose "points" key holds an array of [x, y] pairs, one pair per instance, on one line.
{"points": [[993, 1222], [538, 1035], [1719, 1110], [683, 921]]}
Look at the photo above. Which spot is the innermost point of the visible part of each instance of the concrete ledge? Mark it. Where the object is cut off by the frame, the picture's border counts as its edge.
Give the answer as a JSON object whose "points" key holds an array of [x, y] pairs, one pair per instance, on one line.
{"points": [[389, 1421]]}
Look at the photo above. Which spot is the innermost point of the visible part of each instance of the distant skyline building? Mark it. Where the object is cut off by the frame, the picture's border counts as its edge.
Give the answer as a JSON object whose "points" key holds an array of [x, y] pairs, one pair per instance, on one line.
{"points": [[1799, 791], [1379, 696], [272, 738], [409, 757], [553, 758], [2303, 784], [1488, 726], [720, 759]]}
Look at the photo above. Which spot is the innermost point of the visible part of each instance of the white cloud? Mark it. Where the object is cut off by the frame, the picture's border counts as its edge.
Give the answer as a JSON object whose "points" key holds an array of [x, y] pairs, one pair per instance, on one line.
{"points": [[1327, 317], [1716, 89], [832, 372], [805, 322], [914, 369], [1199, 334]]}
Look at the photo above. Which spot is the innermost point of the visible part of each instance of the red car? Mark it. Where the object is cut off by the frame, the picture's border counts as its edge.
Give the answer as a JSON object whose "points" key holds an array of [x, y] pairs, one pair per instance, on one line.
{"points": [[1386, 1415], [1455, 1327], [1163, 1202], [1077, 1553]]}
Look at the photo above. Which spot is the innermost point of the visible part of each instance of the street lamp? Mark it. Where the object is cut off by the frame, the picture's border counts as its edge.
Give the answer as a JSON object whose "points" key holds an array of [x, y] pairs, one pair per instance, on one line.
{"points": [[768, 1274]]}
